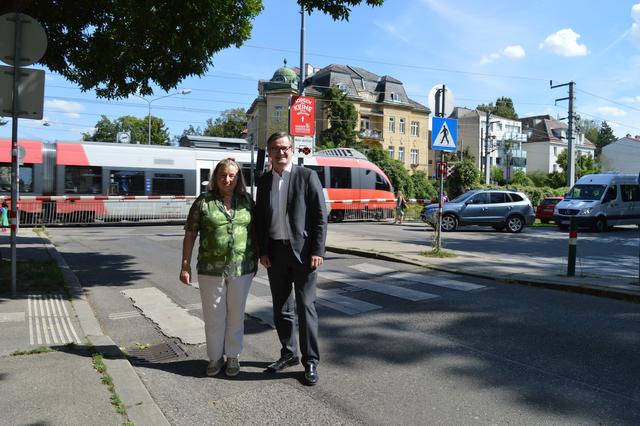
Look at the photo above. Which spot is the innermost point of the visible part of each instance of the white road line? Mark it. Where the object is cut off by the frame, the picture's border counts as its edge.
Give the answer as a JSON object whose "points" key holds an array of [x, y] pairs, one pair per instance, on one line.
{"points": [[36, 319], [55, 318], [57, 303], [436, 281], [124, 315], [45, 329], [260, 308], [73, 330], [372, 269], [390, 290], [173, 320], [193, 306], [29, 309]]}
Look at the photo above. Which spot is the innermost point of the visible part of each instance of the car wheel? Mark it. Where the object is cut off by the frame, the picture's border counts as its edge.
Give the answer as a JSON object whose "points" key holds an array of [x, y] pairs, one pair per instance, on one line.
{"points": [[515, 224], [449, 223], [601, 224]]}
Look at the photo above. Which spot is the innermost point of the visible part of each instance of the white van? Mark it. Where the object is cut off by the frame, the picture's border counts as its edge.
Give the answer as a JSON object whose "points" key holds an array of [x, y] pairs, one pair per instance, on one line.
{"points": [[600, 201]]}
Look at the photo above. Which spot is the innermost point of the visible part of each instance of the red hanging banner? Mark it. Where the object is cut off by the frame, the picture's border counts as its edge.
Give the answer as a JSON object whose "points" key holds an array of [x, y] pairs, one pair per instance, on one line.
{"points": [[302, 116]]}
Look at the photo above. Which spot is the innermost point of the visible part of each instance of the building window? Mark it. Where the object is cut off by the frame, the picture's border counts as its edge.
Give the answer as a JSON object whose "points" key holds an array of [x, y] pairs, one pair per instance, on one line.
{"points": [[555, 151], [414, 156], [394, 97], [401, 127], [391, 151], [415, 128], [392, 124], [401, 153], [365, 124], [277, 115]]}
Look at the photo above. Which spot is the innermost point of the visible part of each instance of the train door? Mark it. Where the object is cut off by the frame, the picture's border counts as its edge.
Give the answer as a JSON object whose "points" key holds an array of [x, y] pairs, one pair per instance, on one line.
{"points": [[204, 172]]}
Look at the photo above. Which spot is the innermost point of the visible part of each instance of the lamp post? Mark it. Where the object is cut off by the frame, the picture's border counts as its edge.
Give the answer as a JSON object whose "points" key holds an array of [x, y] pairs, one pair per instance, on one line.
{"points": [[149, 102]]}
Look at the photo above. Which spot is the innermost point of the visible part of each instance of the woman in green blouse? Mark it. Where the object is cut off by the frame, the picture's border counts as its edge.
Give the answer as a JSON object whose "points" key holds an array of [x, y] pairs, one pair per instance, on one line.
{"points": [[227, 262]]}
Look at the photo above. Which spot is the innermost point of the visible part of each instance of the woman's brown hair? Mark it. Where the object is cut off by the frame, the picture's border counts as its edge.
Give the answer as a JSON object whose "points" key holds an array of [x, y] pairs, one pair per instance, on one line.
{"points": [[240, 188]]}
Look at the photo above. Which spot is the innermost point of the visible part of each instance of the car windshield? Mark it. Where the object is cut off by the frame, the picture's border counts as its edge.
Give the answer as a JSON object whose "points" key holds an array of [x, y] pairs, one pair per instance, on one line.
{"points": [[550, 201], [586, 192], [461, 198]]}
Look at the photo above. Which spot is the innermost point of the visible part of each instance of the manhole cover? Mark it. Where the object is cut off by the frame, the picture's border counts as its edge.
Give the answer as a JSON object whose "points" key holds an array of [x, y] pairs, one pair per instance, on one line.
{"points": [[163, 352]]}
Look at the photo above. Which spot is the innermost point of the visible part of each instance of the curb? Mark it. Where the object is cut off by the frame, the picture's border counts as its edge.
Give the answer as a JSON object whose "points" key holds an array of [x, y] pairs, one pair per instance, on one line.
{"points": [[141, 408], [592, 290]]}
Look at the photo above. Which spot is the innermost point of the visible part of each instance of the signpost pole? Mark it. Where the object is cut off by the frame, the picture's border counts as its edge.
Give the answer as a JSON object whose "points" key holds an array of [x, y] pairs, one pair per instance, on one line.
{"points": [[15, 172], [439, 228]]}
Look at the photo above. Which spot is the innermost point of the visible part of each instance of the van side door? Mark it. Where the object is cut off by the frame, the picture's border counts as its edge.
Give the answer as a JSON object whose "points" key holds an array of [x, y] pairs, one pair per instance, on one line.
{"points": [[630, 200], [612, 206]]}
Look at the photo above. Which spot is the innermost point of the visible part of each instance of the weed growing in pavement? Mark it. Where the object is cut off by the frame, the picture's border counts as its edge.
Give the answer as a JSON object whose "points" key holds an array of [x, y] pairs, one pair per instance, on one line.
{"points": [[38, 350], [41, 230], [437, 253], [100, 367]]}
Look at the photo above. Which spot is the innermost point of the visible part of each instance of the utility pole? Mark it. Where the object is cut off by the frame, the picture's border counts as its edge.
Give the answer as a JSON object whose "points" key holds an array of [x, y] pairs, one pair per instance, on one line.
{"points": [[302, 67], [571, 169], [487, 159]]}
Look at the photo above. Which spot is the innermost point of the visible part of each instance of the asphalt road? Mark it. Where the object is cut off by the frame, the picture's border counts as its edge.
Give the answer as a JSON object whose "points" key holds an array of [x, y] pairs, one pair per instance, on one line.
{"points": [[615, 252], [483, 354]]}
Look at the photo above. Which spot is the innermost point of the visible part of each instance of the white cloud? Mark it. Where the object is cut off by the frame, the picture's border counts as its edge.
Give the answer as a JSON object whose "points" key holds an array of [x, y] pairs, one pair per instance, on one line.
{"points": [[564, 43], [71, 109], [611, 111], [630, 99], [634, 32], [510, 52], [393, 30]]}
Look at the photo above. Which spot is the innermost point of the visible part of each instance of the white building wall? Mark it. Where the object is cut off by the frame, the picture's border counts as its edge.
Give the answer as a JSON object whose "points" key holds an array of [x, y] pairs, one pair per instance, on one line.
{"points": [[621, 156]]}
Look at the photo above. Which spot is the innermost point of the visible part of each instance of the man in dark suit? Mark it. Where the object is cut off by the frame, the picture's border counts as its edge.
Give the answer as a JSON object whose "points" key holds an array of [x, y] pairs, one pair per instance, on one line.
{"points": [[291, 225]]}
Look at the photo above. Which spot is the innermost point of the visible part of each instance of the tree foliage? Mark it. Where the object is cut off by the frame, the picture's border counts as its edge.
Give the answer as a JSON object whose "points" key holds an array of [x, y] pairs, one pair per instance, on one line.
{"points": [[394, 169], [120, 47], [106, 130], [230, 124], [465, 176], [422, 186], [343, 118], [503, 108], [605, 137], [585, 164]]}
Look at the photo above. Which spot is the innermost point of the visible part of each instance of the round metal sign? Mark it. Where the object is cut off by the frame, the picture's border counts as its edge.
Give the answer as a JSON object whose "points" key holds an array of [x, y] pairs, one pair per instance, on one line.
{"points": [[435, 100], [33, 39]]}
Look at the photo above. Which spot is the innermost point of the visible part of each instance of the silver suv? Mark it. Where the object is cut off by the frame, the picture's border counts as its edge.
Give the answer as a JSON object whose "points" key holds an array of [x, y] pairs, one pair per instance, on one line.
{"points": [[492, 207]]}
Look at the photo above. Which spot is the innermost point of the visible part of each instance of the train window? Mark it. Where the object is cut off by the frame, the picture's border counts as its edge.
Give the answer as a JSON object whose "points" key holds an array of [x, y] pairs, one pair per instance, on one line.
{"points": [[320, 171], [367, 178], [246, 174], [381, 183], [126, 183], [82, 180], [167, 184], [25, 178], [340, 177]]}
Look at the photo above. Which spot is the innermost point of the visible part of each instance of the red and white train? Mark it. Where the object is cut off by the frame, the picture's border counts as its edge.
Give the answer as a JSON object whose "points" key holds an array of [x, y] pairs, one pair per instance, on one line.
{"points": [[67, 182]]}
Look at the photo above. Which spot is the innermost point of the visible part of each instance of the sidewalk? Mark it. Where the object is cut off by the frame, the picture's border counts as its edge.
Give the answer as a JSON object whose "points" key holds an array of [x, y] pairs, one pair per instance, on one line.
{"points": [[61, 386], [517, 270]]}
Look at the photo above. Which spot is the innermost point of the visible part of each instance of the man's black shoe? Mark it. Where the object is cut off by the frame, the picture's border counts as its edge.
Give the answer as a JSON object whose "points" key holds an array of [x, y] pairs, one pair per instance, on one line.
{"points": [[282, 363], [311, 374]]}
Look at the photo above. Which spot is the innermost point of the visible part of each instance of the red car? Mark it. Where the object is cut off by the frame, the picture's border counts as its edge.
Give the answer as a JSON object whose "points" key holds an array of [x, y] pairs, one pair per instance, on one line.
{"points": [[544, 212]]}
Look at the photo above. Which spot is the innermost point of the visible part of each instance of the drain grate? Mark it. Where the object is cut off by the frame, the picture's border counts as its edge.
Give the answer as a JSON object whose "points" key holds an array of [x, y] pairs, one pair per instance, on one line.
{"points": [[163, 352]]}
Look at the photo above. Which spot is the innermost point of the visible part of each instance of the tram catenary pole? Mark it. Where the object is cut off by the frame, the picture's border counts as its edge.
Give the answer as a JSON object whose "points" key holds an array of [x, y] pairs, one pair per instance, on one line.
{"points": [[15, 168]]}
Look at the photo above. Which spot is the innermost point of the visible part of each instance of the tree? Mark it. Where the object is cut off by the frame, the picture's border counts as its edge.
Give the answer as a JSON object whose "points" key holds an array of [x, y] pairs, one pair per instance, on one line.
{"points": [[422, 186], [590, 129], [605, 137], [106, 130], [342, 117], [230, 124], [520, 178], [503, 108], [394, 169], [464, 177], [585, 164], [119, 47]]}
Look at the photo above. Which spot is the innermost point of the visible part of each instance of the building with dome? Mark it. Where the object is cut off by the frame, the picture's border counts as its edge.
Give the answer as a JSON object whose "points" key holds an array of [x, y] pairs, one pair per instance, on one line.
{"points": [[387, 117]]}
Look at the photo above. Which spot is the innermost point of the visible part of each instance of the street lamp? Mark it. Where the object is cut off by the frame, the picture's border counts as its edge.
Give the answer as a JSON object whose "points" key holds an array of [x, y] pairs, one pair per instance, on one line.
{"points": [[182, 92]]}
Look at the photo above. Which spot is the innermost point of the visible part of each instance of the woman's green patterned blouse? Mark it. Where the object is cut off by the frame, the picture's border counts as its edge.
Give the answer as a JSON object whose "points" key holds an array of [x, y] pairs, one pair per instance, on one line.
{"points": [[226, 246]]}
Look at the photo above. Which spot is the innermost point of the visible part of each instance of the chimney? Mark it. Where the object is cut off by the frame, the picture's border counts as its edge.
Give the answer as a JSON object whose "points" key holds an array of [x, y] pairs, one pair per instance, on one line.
{"points": [[309, 70]]}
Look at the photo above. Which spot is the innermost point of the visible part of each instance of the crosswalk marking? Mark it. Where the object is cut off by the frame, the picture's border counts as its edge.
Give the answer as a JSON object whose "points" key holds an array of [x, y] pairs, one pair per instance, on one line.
{"points": [[332, 299], [124, 315], [388, 289], [372, 269]]}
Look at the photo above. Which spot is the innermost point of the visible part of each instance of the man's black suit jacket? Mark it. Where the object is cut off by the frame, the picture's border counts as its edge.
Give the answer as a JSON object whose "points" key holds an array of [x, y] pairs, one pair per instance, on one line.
{"points": [[306, 214]]}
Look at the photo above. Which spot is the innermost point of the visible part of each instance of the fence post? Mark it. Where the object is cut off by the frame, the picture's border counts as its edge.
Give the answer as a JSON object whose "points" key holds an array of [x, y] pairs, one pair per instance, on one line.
{"points": [[573, 239]]}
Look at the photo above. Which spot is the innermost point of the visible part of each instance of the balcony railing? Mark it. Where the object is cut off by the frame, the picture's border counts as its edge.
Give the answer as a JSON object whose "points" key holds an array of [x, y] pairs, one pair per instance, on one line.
{"points": [[370, 134]]}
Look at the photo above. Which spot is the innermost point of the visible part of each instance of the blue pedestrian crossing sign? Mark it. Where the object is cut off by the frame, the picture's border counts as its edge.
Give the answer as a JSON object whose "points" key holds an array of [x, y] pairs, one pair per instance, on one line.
{"points": [[444, 134]]}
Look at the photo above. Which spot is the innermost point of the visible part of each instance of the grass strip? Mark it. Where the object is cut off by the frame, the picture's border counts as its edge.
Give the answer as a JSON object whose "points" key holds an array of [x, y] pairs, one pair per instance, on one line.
{"points": [[107, 380], [437, 253], [38, 350], [32, 275]]}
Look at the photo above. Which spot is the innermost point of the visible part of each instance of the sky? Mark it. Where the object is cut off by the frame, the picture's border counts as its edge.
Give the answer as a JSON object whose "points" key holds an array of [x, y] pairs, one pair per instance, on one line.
{"points": [[480, 50]]}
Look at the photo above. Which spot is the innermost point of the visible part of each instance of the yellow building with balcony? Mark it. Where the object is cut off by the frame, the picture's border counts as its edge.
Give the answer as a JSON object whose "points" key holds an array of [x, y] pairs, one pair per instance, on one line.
{"points": [[387, 118]]}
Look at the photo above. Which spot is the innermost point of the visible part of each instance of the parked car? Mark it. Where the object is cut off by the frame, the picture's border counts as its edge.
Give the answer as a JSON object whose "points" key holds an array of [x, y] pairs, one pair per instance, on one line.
{"points": [[500, 209], [544, 212]]}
